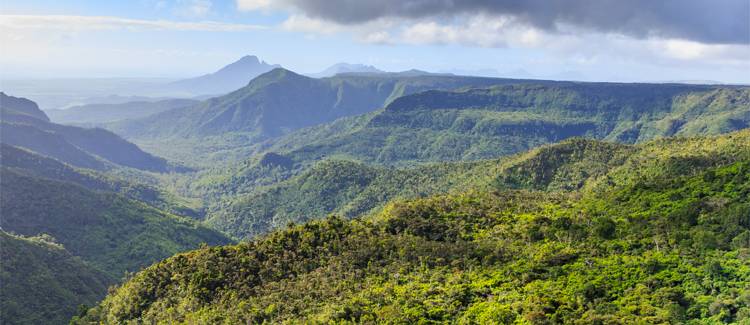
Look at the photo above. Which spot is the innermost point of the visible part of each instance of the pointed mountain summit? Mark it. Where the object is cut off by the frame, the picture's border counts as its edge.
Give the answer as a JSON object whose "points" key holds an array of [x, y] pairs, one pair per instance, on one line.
{"points": [[346, 68], [229, 78]]}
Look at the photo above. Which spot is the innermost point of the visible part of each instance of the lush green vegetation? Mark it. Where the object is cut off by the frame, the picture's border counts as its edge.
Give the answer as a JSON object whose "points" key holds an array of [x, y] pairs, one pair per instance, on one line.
{"points": [[90, 228], [271, 105], [111, 232], [656, 233], [41, 283], [440, 126], [535, 237], [351, 189], [428, 117], [281, 100], [29, 163], [488, 123]]}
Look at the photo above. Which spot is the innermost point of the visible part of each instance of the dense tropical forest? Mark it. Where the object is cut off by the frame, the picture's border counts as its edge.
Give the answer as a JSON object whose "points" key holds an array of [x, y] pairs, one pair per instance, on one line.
{"points": [[44, 283], [377, 197], [660, 236]]}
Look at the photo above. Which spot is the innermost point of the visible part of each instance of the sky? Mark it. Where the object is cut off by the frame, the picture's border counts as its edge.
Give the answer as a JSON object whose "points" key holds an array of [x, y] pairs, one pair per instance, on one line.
{"points": [[597, 40]]}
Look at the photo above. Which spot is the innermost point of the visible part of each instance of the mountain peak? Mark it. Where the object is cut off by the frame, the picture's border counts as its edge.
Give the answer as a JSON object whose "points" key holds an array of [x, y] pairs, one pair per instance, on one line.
{"points": [[244, 65], [231, 77], [275, 75], [279, 73], [249, 58]]}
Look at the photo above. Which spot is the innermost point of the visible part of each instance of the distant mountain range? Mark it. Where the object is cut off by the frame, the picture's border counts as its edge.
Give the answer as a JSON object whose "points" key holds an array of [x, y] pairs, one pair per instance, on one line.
{"points": [[345, 68], [280, 101], [107, 113], [25, 125], [229, 78]]}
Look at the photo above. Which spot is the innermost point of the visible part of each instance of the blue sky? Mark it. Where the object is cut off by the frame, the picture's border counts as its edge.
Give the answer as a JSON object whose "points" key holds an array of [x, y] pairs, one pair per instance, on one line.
{"points": [[180, 38]]}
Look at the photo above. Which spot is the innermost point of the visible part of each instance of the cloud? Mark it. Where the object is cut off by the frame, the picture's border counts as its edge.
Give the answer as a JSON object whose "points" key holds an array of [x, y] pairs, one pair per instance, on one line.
{"points": [[249, 5], [193, 8], [482, 31], [568, 44], [309, 25], [714, 22], [83, 23]]}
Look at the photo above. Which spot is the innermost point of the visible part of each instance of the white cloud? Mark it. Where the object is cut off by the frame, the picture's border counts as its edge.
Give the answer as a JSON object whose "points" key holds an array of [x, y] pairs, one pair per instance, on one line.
{"points": [[193, 8], [475, 31], [84, 23], [250, 5], [689, 50], [309, 25], [569, 43], [377, 37]]}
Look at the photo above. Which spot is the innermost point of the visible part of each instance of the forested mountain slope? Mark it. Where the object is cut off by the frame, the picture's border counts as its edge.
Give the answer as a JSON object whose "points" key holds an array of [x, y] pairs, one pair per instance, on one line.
{"points": [[31, 164], [279, 101], [351, 189], [435, 126], [102, 225], [230, 127], [113, 233], [662, 237], [501, 120], [438, 126], [447, 116], [24, 125], [42, 283]]}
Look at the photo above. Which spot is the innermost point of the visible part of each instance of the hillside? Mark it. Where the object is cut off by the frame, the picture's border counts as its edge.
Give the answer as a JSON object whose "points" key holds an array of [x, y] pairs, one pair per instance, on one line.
{"points": [[24, 125], [393, 118], [493, 122], [113, 233], [42, 283], [351, 189], [20, 107], [468, 125], [274, 104], [279, 101], [31, 164], [660, 238], [98, 114]]}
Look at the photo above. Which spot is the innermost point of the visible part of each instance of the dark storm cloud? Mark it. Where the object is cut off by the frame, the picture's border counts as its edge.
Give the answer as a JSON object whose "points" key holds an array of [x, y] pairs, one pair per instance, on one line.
{"points": [[707, 21]]}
